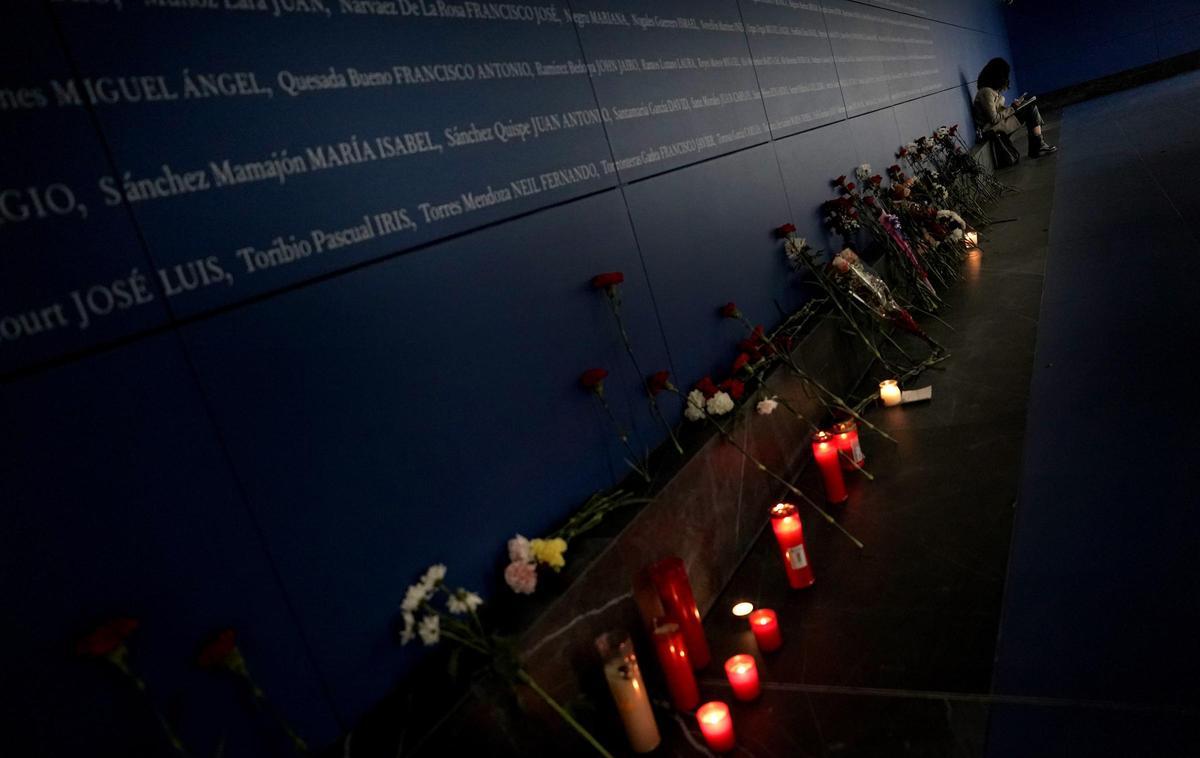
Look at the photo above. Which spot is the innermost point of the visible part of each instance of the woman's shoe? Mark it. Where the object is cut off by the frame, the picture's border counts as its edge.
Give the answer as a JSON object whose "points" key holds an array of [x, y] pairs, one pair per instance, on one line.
{"points": [[1039, 147]]}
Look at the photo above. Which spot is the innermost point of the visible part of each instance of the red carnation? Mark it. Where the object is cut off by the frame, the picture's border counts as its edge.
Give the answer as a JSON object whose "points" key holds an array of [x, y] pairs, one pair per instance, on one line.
{"points": [[840, 181], [611, 279], [740, 362], [658, 381], [870, 201], [730, 310], [106, 638], [954, 130], [785, 230], [218, 650], [876, 180], [734, 387], [851, 186], [707, 387], [593, 379], [903, 152]]}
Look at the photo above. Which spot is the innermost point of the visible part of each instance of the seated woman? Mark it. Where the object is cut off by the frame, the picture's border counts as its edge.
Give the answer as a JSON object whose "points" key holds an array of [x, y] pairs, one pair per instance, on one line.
{"points": [[996, 121]]}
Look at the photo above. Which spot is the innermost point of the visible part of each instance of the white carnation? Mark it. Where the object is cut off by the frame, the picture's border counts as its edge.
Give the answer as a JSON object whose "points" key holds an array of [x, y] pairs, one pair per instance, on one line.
{"points": [[766, 407], [911, 147], [719, 404], [462, 602], [956, 235], [863, 172], [519, 550], [796, 248], [406, 634], [434, 575], [951, 217], [695, 406], [413, 598], [430, 629]]}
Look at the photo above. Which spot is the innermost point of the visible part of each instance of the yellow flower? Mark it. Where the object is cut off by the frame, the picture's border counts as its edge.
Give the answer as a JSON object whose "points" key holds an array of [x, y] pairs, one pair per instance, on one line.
{"points": [[549, 552]]}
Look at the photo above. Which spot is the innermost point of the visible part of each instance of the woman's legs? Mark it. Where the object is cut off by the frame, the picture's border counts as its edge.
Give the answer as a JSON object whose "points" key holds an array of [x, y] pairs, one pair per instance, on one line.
{"points": [[1032, 119]]}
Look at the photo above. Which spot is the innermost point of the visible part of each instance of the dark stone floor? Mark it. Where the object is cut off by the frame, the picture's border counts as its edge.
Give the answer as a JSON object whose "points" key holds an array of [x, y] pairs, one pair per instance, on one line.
{"points": [[1103, 594], [890, 653], [1060, 431]]}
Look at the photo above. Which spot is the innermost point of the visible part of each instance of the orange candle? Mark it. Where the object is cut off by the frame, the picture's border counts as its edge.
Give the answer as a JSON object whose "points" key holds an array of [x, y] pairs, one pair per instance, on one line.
{"points": [[850, 452], [765, 625], [826, 454], [743, 676], [789, 533], [717, 726]]}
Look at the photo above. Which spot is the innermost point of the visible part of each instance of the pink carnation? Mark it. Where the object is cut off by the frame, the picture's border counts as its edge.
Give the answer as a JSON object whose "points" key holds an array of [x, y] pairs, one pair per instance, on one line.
{"points": [[521, 577]]}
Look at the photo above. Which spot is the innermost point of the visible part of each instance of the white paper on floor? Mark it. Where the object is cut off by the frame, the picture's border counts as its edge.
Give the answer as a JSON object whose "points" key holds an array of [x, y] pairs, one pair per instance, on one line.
{"points": [[916, 396]]}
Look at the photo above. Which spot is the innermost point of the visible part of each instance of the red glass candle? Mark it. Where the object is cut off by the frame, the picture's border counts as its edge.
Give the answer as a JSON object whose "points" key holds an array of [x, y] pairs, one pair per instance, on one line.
{"points": [[789, 533], [826, 454], [850, 452], [717, 726], [765, 626], [743, 676], [676, 666], [670, 579]]}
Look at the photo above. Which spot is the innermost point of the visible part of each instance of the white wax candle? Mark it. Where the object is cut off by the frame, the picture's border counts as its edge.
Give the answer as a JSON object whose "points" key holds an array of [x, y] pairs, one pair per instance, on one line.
{"points": [[889, 392], [629, 692]]}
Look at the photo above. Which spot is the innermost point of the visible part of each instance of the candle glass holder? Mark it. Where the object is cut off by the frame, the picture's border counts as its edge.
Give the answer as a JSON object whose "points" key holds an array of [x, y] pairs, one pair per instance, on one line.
{"points": [[789, 534], [676, 666], [742, 672], [765, 625], [889, 392], [670, 580], [825, 453], [628, 690], [850, 452], [717, 726]]}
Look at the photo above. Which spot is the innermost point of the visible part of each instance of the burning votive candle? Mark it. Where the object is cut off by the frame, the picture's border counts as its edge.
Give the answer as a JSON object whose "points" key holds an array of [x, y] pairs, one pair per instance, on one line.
{"points": [[743, 676], [670, 580], [971, 238], [789, 533], [826, 454], [742, 609], [850, 452], [889, 392], [717, 726], [673, 657], [765, 625], [628, 691]]}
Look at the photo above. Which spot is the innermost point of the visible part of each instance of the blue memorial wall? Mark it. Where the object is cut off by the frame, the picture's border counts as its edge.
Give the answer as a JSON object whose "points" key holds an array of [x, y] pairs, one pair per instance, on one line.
{"points": [[294, 295]]}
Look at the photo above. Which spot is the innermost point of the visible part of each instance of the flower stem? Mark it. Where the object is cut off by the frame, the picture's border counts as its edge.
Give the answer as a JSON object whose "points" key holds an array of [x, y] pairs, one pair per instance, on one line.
{"points": [[614, 305], [168, 732], [260, 700], [834, 296], [791, 487], [528, 680], [633, 458]]}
